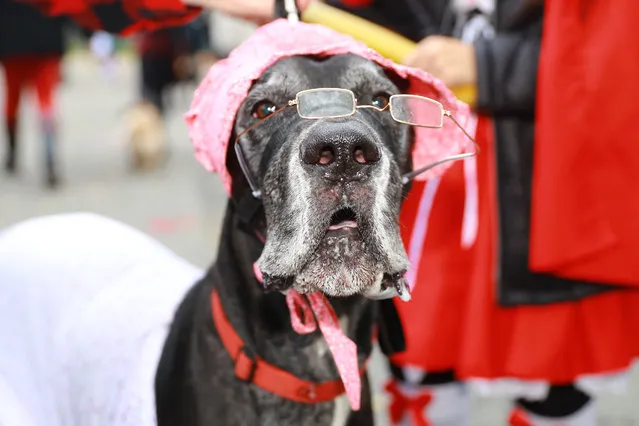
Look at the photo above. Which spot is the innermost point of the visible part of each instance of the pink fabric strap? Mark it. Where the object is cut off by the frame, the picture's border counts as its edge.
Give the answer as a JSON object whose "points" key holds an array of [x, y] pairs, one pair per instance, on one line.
{"points": [[470, 224], [313, 310]]}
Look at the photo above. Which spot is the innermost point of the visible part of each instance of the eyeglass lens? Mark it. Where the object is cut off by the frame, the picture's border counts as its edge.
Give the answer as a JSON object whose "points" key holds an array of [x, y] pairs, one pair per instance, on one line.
{"points": [[416, 111], [325, 103], [408, 109]]}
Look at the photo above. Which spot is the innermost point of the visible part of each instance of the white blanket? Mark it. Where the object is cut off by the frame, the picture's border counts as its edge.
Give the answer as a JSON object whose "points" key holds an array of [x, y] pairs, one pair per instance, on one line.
{"points": [[85, 306]]}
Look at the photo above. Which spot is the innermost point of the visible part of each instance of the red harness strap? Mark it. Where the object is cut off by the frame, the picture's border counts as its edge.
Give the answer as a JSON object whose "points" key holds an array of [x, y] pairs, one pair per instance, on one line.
{"points": [[253, 369]]}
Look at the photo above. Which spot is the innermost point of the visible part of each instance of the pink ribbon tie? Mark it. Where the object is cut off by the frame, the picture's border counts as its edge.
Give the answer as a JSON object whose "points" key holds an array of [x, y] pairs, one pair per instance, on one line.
{"points": [[313, 310], [306, 315]]}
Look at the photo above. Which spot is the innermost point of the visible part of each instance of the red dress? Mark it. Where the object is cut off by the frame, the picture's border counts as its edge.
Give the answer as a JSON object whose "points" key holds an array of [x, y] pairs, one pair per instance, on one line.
{"points": [[454, 322]]}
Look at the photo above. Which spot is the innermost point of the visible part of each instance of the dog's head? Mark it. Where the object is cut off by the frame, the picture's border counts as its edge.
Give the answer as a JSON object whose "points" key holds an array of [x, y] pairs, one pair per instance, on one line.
{"points": [[331, 187]]}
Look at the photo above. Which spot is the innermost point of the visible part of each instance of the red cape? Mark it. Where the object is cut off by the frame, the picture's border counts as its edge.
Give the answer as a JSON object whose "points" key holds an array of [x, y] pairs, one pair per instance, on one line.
{"points": [[585, 208]]}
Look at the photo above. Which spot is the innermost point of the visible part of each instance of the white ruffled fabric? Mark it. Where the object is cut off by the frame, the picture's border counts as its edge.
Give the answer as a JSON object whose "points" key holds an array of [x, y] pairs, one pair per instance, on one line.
{"points": [[85, 308], [513, 388], [593, 384]]}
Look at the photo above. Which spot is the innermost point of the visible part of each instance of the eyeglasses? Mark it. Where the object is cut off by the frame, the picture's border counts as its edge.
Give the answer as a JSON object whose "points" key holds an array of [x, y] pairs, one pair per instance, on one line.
{"points": [[327, 103]]}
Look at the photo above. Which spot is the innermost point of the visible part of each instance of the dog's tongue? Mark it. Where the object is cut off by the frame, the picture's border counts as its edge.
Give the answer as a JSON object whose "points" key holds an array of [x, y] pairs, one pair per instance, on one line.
{"points": [[305, 317]]}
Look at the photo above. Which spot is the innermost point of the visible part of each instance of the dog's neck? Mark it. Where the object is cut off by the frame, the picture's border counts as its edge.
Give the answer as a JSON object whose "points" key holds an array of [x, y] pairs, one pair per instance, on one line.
{"points": [[263, 319]]}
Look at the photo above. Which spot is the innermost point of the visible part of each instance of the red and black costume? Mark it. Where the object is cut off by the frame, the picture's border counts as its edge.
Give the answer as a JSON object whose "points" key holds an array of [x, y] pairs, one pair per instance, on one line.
{"points": [[31, 48], [123, 17]]}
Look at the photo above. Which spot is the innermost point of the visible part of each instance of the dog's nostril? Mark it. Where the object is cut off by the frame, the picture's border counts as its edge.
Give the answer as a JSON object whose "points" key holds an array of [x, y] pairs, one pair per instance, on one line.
{"points": [[359, 155], [365, 154], [318, 152], [327, 156]]}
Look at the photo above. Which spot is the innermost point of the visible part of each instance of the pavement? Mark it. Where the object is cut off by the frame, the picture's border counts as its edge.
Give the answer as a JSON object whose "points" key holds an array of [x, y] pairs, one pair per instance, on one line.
{"points": [[180, 205]]}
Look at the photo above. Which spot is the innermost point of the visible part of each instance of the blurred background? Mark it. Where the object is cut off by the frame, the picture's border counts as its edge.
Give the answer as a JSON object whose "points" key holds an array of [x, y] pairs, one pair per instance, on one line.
{"points": [[101, 132]]}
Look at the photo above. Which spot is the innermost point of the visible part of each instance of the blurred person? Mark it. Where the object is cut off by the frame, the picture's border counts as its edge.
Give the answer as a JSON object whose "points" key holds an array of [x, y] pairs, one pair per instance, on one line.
{"points": [[31, 49], [138, 16], [168, 58], [198, 35]]}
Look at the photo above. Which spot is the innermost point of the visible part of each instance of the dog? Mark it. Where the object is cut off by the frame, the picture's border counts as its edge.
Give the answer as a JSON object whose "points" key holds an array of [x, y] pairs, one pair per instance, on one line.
{"points": [[146, 136], [331, 196]]}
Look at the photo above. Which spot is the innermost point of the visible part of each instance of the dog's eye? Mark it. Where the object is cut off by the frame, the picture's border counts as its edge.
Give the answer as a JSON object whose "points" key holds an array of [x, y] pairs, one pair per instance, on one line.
{"points": [[264, 109], [380, 101]]}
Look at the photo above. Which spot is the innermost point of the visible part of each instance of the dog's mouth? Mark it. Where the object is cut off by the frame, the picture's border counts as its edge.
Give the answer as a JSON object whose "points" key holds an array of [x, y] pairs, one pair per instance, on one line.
{"points": [[347, 257], [343, 220], [346, 260]]}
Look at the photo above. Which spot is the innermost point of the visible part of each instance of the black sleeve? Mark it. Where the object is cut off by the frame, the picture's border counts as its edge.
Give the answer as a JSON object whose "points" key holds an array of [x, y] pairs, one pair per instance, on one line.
{"points": [[507, 72]]}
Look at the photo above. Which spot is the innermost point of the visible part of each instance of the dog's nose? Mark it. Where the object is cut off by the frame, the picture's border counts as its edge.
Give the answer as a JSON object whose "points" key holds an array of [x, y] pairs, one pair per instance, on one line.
{"points": [[343, 149]]}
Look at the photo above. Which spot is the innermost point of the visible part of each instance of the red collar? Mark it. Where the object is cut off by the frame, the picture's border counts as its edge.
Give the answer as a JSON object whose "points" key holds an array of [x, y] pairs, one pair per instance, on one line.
{"points": [[250, 368]]}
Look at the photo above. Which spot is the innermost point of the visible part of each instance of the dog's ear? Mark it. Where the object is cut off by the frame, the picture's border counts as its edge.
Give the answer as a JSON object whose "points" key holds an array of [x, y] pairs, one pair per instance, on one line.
{"points": [[401, 83]]}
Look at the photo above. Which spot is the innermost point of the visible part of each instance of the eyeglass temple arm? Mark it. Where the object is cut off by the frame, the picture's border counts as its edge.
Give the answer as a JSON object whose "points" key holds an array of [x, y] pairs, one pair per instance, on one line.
{"points": [[247, 174], [454, 120], [410, 176]]}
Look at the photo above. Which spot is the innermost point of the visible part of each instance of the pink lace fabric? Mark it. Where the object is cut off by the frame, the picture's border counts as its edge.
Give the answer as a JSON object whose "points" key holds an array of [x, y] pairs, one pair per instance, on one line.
{"points": [[220, 94]]}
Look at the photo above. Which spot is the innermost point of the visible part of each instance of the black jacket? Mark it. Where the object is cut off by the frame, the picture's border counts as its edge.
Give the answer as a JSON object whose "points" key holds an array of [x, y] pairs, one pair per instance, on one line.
{"points": [[506, 86], [25, 31]]}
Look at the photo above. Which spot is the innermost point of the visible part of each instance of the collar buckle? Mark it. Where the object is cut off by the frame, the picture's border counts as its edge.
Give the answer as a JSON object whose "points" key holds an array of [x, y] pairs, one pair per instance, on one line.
{"points": [[245, 364]]}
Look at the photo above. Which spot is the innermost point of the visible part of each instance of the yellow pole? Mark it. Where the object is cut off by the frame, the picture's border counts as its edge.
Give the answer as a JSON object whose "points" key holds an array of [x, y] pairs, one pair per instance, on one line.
{"points": [[388, 43]]}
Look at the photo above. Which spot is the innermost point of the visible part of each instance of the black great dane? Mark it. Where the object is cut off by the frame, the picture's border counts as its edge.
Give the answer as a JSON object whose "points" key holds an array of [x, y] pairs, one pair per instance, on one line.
{"points": [[331, 194]]}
